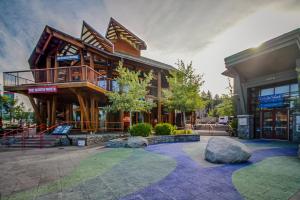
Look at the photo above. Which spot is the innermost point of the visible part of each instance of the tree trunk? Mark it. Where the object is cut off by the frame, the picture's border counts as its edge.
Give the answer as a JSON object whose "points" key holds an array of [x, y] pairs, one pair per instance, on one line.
{"points": [[184, 120]]}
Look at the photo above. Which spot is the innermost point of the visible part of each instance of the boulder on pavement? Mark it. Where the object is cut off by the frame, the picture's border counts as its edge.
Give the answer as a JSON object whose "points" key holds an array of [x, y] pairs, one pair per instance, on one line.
{"points": [[137, 142], [116, 143], [226, 150]]}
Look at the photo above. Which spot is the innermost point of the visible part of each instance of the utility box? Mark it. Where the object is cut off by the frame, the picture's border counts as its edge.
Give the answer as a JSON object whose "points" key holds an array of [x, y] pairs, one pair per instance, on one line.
{"points": [[245, 126], [296, 127]]}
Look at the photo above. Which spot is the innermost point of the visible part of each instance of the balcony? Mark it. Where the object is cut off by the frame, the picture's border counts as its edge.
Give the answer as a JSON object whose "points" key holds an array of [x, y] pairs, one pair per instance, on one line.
{"points": [[67, 76]]}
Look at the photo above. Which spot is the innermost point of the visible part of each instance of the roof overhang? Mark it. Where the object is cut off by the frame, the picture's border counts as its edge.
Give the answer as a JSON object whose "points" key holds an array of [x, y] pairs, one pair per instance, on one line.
{"points": [[115, 31], [274, 56]]}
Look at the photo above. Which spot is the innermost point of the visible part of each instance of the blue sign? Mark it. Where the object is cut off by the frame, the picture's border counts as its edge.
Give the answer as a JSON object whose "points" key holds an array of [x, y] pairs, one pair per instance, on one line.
{"points": [[62, 130], [271, 101], [68, 57]]}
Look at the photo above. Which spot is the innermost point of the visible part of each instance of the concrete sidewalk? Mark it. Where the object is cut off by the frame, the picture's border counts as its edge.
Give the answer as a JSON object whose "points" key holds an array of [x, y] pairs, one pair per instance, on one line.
{"points": [[24, 169]]}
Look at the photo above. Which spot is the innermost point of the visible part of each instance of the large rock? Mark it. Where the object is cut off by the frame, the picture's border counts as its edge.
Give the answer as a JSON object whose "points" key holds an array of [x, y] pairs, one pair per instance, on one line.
{"points": [[116, 143], [226, 150], [137, 142]]}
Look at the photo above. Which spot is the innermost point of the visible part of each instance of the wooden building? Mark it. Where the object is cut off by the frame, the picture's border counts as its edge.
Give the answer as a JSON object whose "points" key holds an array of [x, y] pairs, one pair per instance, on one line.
{"points": [[69, 77]]}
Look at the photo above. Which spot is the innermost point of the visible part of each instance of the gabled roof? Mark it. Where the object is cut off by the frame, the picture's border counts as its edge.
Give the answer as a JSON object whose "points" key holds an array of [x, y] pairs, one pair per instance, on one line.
{"points": [[50, 39], [115, 30], [90, 36]]}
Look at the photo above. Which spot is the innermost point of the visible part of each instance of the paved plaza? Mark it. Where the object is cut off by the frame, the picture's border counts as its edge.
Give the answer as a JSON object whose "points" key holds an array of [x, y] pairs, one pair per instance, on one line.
{"points": [[164, 171]]}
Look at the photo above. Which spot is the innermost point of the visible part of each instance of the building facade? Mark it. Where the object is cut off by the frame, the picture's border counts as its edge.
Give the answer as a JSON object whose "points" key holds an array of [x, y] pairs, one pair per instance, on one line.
{"points": [[266, 85], [69, 77]]}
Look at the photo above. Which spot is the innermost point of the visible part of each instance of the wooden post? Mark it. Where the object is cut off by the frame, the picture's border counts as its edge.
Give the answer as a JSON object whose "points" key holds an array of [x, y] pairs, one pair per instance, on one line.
{"points": [[83, 108], [56, 65], [121, 119], [159, 97], [48, 66], [91, 73], [81, 118], [83, 69], [92, 112], [53, 114], [96, 115], [49, 113]]}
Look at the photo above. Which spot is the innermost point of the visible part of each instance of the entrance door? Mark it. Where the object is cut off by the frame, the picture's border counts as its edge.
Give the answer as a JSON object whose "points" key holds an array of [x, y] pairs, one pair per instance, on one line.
{"points": [[281, 124], [275, 124]]}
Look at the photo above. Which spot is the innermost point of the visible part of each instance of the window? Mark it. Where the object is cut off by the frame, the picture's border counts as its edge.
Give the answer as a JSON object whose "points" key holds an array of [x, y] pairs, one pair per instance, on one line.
{"points": [[282, 89], [267, 91], [294, 87]]}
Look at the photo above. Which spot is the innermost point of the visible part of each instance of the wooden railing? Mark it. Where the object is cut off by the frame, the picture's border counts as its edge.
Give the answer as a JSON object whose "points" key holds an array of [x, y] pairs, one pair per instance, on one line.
{"points": [[65, 74]]}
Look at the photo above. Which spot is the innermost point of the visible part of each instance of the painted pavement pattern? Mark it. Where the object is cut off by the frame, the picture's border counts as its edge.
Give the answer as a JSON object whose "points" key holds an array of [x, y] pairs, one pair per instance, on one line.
{"points": [[164, 171], [191, 181]]}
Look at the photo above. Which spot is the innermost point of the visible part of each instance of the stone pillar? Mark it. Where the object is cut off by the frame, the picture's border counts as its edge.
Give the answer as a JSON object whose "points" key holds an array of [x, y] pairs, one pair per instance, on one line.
{"points": [[245, 126]]}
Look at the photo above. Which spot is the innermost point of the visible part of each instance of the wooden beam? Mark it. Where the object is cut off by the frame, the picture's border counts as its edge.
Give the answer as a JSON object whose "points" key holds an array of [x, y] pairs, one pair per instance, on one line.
{"points": [[68, 39], [48, 66], [47, 42], [49, 118], [53, 111], [56, 65], [159, 96], [96, 115], [92, 111], [83, 106]]}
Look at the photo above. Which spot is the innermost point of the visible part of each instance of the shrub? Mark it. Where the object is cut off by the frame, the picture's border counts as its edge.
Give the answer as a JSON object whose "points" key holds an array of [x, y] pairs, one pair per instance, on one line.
{"points": [[164, 129], [183, 132], [141, 129]]}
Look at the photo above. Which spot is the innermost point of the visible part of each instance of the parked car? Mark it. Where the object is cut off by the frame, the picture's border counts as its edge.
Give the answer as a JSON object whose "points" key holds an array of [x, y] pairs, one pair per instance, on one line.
{"points": [[223, 120]]}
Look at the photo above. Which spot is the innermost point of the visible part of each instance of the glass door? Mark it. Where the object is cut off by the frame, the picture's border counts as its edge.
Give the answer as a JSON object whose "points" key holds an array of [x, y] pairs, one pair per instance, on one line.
{"points": [[275, 124], [280, 124], [267, 124]]}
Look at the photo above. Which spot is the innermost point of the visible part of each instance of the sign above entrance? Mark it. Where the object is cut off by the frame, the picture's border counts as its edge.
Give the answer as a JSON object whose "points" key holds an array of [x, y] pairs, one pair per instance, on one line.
{"points": [[68, 57], [42, 90], [271, 101]]}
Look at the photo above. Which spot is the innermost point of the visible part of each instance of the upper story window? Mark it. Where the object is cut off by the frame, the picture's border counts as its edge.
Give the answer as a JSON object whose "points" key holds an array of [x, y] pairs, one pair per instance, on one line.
{"points": [[267, 91], [282, 89]]}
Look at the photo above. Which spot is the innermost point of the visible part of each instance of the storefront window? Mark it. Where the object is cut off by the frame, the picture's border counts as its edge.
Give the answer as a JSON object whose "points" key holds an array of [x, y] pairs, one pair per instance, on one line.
{"points": [[267, 91], [282, 89], [294, 87]]}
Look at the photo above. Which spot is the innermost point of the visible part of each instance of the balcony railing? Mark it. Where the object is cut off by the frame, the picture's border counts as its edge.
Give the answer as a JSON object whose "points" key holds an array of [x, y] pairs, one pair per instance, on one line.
{"points": [[68, 74]]}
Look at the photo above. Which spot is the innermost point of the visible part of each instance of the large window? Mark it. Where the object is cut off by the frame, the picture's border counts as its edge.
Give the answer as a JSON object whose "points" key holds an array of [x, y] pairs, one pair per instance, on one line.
{"points": [[267, 91], [282, 89]]}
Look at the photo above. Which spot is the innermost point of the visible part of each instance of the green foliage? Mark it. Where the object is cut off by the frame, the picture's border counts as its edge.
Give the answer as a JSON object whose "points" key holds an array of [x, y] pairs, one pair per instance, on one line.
{"points": [[184, 89], [221, 106], [226, 108], [183, 132], [164, 129], [234, 123], [141, 129], [133, 90]]}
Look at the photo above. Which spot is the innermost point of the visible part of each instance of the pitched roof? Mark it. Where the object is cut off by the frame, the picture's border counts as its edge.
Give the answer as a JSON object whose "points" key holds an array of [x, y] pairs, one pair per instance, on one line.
{"points": [[69, 45], [90, 36], [146, 61], [115, 30]]}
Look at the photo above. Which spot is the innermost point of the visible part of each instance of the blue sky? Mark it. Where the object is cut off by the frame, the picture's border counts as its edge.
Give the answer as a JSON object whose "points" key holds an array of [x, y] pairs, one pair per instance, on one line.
{"points": [[204, 32]]}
